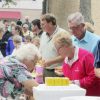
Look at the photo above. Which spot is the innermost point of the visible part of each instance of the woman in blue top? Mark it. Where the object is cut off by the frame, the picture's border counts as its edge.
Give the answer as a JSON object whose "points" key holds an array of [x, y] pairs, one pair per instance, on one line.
{"points": [[10, 45]]}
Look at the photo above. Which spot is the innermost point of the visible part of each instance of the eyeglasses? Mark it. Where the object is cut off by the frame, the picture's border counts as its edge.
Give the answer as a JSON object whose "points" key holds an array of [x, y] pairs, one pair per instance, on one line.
{"points": [[74, 27], [77, 27]]}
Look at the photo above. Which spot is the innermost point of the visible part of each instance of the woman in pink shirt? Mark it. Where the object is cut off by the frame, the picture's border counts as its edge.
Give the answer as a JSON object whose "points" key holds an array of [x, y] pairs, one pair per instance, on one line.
{"points": [[78, 65]]}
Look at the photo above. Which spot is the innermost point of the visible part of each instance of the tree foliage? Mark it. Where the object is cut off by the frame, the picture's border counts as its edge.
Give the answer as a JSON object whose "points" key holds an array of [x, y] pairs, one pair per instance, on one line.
{"points": [[8, 2]]}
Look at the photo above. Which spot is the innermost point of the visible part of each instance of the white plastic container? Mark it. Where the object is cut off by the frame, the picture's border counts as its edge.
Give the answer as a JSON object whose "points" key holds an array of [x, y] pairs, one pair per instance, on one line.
{"points": [[81, 98], [43, 92]]}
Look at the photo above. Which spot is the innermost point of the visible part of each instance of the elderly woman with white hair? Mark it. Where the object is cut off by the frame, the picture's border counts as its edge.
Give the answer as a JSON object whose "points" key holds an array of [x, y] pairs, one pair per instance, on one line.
{"points": [[15, 77]]}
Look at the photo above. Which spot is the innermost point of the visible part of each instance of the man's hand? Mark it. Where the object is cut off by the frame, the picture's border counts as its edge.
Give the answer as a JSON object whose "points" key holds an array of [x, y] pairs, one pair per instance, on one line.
{"points": [[58, 71], [47, 63]]}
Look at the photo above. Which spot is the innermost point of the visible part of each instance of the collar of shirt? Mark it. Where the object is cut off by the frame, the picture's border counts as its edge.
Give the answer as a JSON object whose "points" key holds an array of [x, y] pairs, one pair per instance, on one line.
{"points": [[85, 38], [74, 59], [50, 37]]}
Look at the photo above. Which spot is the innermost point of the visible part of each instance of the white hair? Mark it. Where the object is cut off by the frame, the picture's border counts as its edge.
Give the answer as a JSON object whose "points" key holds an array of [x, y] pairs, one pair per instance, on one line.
{"points": [[27, 51], [17, 38], [76, 18]]}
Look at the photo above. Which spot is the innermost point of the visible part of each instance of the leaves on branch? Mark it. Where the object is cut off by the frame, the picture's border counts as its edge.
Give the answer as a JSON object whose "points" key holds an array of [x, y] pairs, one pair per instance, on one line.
{"points": [[8, 2]]}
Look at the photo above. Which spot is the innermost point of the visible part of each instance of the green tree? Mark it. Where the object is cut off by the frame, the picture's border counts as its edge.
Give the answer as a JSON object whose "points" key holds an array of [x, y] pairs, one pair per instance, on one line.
{"points": [[7, 2]]}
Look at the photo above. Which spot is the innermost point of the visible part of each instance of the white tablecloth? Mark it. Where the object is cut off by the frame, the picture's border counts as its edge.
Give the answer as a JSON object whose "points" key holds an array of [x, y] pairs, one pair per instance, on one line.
{"points": [[81, 98], [43, 92]]}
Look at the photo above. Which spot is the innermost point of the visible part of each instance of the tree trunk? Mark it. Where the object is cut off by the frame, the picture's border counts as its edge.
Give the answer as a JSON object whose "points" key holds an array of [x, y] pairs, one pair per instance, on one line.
{"points": [[44, 6]]}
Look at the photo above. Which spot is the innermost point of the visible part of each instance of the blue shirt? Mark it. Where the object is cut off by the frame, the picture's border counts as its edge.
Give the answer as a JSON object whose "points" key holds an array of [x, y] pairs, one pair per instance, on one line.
{"points": [[10, 46], [89, 42], [97, 56]]}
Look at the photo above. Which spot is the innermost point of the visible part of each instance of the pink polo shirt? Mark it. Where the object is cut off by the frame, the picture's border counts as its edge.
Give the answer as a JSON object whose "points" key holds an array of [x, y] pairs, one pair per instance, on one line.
{"points": [[83, 70]]}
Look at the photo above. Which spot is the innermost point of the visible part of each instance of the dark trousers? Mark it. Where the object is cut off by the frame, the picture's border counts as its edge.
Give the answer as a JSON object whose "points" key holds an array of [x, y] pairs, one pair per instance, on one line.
{"points": [[3, 52], [49, 73]]}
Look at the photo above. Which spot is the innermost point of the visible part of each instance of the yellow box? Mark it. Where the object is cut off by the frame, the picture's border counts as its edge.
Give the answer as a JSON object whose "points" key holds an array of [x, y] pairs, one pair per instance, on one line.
{"points": [[65, 81], [49, 81], [57, 81]]}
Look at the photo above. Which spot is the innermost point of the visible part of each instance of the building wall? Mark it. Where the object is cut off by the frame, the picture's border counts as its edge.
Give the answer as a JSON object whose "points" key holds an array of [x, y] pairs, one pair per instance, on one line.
{"points": [[24, 4], [96, 15], [30, 8]]}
